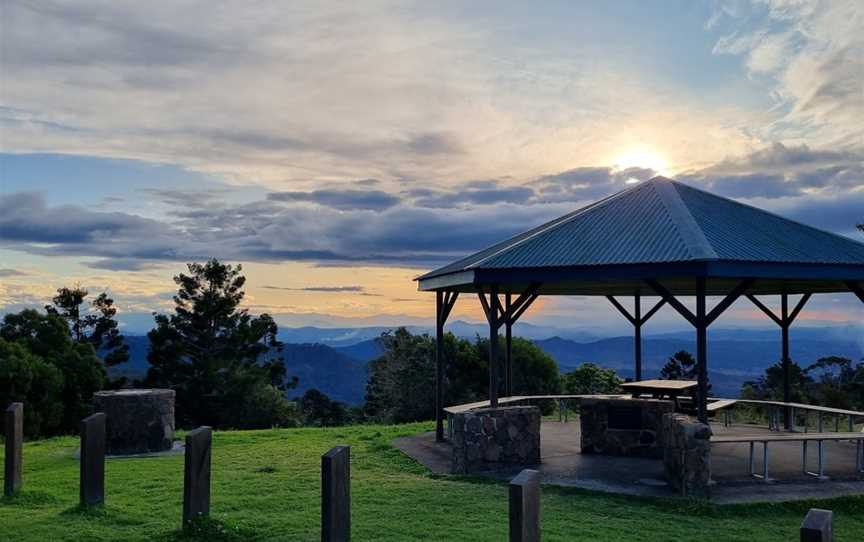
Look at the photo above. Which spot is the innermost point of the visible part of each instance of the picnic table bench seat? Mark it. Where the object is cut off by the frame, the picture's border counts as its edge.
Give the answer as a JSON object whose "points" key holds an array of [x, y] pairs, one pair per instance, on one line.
{"points": [[804, 438]]}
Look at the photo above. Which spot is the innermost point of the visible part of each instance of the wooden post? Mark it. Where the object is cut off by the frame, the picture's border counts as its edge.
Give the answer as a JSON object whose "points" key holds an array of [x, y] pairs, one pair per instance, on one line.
{"points": [[493, 346], [702, 349], [336, 495], [637, 335], [818, 526], [439, 366], [196, 475], [92, 475], [525, 507], [786, 359], [14, 422], [508, 347]]}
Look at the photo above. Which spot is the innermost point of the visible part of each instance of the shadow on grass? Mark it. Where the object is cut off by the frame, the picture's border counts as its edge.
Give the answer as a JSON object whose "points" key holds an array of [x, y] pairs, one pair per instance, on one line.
{"points": [[29, 499], [210, 530], [103, 514]]}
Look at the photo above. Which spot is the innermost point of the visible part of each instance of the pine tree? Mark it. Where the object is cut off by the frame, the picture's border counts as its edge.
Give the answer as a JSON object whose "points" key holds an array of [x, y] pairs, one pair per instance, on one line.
{"points": [[97, 326], [224, 364]]}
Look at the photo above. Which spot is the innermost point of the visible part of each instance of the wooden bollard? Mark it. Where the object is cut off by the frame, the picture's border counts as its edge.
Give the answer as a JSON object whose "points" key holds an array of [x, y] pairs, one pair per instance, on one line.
{"points": [[196, 474], [525, 507], [14, 422], [336, 495], [92, 479], [818, 526]]}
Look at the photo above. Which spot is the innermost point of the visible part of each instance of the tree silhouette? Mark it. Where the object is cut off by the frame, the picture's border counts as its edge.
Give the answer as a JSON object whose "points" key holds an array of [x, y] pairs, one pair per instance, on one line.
{"points": [[97, 325]]}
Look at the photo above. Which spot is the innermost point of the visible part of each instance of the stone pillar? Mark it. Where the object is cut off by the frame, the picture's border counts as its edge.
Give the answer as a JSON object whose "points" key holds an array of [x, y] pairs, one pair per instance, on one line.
{"points": [[496, 438], [196, 475], [525, 507], [92, 479], [336, 495], [14, 421], [139, 421], [818, 526], [687, 454]]}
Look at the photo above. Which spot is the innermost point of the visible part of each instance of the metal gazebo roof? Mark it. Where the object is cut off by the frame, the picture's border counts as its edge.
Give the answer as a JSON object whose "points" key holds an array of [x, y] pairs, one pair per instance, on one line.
{"points": [[665, 230]]}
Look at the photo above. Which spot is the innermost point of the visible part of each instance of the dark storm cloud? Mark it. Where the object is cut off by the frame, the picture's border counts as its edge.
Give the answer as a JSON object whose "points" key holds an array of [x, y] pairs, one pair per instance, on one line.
{"points": [[373, 200]]}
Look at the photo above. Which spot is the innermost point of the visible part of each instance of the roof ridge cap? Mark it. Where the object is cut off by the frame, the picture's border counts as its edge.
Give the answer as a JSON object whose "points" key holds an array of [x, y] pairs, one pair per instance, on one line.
{"points": [[688, 229], [556, 223]]}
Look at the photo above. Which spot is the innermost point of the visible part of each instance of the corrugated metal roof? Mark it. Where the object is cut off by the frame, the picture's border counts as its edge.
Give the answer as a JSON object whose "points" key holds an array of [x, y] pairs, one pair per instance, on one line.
{"points": [[664, 221]]}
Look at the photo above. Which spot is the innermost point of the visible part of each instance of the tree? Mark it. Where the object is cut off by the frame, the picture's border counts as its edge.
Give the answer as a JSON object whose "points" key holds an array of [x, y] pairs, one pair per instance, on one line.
{"points": [[835, 381], [47, 338], [860, 227], [319, 410], [769, 387], [27, 378], [589, 379], [97, 326], [225, 364], [681, 366], [399, 387]]}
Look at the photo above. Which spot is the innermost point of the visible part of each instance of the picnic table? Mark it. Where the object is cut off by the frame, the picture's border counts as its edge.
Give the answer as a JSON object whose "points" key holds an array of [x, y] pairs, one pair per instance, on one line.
{"points": [[661, 388]]}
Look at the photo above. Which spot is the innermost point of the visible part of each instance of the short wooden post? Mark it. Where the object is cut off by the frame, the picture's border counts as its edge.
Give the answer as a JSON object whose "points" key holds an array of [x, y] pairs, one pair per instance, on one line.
{"points": [[196, 475], [525, 507], [818, 526], [336, 495], [92, 478], [14, 422]]}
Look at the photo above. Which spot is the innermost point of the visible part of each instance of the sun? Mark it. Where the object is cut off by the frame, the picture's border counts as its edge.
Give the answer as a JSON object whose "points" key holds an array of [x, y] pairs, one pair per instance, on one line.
{"points": [[644, 157]]}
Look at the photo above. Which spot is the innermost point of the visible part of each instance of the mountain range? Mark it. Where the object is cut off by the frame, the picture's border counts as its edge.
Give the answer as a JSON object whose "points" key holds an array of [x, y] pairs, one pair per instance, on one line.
{"points": [[334, 360]]}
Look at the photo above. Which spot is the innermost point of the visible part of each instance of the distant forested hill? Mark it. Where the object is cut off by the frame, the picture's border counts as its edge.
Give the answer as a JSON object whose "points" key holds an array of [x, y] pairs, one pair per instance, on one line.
{"points": [[316, 365], [340, 371]]}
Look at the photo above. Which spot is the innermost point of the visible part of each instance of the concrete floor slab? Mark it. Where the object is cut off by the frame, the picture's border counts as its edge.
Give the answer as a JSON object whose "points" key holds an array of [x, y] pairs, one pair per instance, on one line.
{"points": [[564, 465]]}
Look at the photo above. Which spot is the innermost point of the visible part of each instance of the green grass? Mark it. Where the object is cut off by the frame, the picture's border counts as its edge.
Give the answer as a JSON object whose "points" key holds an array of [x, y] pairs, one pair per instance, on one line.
{"points": [[266, 486]]}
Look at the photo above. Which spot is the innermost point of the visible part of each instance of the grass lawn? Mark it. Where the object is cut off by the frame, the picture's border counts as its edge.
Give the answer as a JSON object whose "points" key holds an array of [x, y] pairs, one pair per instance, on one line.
{"points": [[266, 487]]}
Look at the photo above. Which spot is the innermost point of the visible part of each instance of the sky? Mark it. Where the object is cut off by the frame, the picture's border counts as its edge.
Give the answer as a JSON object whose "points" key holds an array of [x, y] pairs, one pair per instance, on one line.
{"points": [[337, 150]]}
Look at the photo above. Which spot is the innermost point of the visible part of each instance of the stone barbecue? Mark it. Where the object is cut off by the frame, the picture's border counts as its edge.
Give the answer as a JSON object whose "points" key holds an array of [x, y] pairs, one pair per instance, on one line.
{"points": [[138, 421], [687, 454], [493, 438], [624, 427]]}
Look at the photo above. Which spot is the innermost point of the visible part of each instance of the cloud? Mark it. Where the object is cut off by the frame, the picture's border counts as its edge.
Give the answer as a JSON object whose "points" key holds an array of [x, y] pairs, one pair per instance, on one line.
{"points": [[122, 264], [588, 183], [781, 171], [326, 289], [374, 200], [812, 53], [7, 273], [486, 192], [261, 230]]}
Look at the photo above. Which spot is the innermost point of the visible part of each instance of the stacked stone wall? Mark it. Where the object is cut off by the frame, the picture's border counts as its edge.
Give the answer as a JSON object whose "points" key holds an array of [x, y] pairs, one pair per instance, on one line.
{"points": [[495, 439], [138, 421], [637, 433], [687, 454]]}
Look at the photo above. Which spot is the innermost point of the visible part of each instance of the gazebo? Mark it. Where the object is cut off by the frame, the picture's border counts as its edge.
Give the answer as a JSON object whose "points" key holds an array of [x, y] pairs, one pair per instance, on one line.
{"points": [[659, 238]]}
